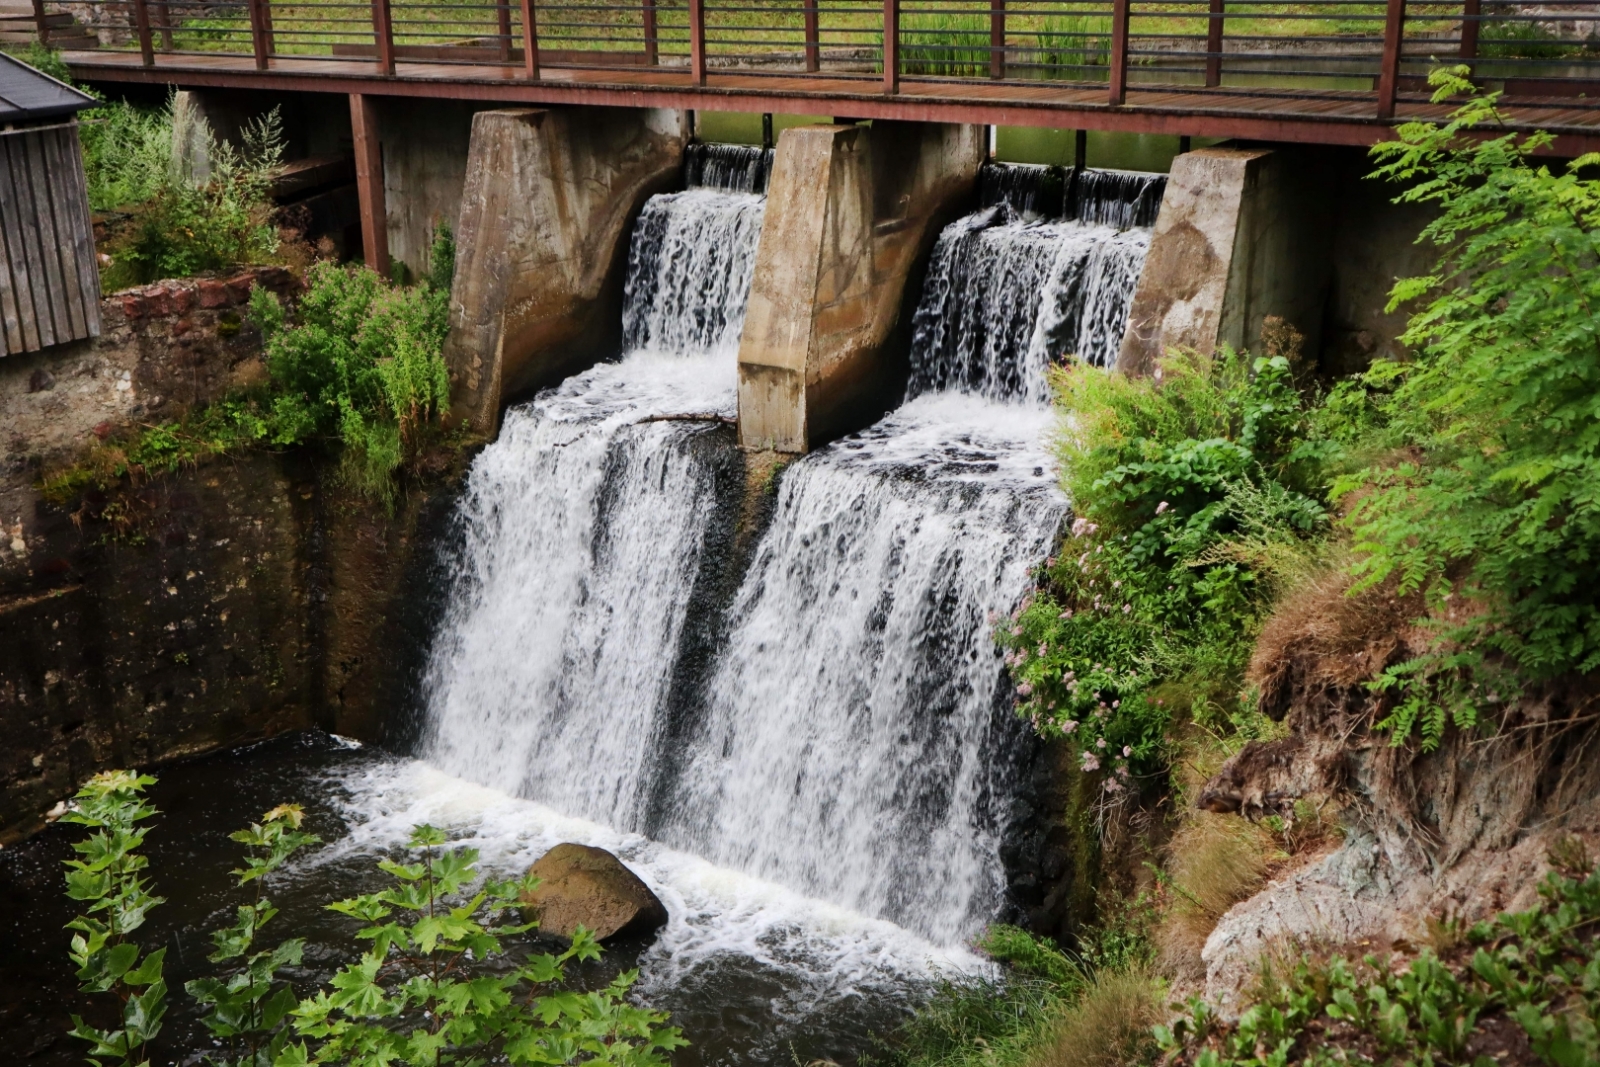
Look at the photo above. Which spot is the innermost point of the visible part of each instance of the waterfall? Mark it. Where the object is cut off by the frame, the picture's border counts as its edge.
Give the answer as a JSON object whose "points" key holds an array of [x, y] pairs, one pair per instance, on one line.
{"points": [[851, 746], [733, 168], [583, 526], [1117, 198], [689, 269], [1005, 300], [845, 731]]}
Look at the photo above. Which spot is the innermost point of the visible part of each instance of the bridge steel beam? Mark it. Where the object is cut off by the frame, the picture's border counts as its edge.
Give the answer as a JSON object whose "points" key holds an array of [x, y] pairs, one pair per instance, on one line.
{"points": [[916, 101]]}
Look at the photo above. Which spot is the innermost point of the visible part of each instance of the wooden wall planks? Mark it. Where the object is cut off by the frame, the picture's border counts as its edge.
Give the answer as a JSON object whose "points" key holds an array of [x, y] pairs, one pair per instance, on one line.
{"points": [[49, 282]]}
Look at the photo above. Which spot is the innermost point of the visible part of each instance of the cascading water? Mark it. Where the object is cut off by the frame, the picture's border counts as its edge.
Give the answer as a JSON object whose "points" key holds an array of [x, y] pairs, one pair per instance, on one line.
{"points": [[845, 736], [733, 168]]}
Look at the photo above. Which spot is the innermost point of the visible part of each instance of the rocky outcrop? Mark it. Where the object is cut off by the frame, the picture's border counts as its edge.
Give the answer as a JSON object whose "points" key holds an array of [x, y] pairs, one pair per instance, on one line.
{"points": [[589, 887], [1458, 833]]}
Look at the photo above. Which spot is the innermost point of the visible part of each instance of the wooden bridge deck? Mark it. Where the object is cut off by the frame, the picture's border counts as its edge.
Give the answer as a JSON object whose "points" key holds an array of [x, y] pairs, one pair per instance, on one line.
{"points": [[1321, 116]]}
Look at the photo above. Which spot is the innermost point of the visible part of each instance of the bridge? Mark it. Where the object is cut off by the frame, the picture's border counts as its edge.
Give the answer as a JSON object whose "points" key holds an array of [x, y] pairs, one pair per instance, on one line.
{"points": [[1313, 71]]}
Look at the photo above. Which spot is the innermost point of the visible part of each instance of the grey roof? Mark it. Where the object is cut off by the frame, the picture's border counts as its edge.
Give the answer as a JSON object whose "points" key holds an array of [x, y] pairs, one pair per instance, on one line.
{"points": [[26, 95]]}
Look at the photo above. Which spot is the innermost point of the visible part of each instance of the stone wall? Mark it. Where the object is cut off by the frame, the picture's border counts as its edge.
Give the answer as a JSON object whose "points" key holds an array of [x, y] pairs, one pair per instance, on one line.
{"points": [[201, 609]]}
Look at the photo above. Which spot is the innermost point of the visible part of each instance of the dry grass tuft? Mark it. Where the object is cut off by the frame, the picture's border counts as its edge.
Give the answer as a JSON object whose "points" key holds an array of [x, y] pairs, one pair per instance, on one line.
{"points": [[1214, 862], [1109, 1026]]}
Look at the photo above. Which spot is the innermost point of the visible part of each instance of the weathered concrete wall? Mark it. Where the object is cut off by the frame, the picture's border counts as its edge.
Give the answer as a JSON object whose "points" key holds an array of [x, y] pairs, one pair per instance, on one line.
{"points": [[542, 244], [310, 126], [1243, 234], [425, 144], [1374, 245], [197, 610], [851, 212]]}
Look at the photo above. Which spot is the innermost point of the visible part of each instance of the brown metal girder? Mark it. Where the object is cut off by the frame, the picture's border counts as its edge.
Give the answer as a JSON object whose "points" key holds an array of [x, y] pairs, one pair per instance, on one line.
{"points": [[1130, 118]]}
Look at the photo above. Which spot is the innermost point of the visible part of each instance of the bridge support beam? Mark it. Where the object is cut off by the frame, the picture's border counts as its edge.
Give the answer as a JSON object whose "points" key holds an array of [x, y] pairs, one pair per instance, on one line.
{"points": [[541, 249], [851, 213], [1242, 234]]}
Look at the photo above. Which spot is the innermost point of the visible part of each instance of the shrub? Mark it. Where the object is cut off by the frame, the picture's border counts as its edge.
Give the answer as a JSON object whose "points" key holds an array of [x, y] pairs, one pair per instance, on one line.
{"points": [[1108, 1026], [436, 987], [1490, 505], [1197, 498]]}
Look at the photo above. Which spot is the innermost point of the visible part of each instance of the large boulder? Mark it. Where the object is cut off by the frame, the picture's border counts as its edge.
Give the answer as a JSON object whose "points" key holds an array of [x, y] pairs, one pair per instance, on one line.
{"points": [[589, 887]]}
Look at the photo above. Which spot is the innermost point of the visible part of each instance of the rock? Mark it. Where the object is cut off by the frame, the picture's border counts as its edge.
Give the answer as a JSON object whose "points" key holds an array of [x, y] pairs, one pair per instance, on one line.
{"points": [[589, 887]]}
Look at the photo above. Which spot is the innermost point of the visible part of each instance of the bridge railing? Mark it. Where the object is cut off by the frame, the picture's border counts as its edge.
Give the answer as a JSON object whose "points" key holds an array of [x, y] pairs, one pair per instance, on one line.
{"points": [[1236, 50]]}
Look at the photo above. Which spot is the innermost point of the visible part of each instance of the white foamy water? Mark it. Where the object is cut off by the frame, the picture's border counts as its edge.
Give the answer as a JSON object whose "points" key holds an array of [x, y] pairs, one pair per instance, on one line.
{"points": [[852, 746], [714, 912]]}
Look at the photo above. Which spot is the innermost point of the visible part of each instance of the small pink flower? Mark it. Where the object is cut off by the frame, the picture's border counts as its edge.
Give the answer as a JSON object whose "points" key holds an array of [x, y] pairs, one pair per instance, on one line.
{"points": [[1127, 750], [1067, 614], [1090, 763], [1101, 743], [1016, 631], [1025, 690], [1122, 772], [1069, 726], [1113, 786], [1116, 703], [1043, 648], [1127, 608], [1162, 507]]}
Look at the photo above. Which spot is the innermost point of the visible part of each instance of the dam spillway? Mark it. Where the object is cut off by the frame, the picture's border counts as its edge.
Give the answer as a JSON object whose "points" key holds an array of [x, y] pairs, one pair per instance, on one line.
{"points": [[834, 722]]}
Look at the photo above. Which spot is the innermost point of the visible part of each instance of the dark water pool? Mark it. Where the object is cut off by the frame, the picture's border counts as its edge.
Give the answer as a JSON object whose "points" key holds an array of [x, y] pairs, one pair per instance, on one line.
{"points": [[752, 973]]}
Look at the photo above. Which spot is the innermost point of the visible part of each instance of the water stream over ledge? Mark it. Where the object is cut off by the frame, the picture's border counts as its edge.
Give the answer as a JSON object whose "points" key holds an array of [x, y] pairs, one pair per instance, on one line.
{"points": [[794, 729]]}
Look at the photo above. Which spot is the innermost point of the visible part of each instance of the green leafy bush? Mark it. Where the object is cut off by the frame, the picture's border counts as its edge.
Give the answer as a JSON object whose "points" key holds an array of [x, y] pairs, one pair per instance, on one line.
{"points": [[436, 987], [1488, 501], [363, 361], [189, 225], [1535, 969], [1197, 494]]}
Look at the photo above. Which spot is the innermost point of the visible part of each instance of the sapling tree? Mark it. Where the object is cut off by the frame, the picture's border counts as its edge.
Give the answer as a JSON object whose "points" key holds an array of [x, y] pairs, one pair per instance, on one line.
{"points": [[107, 877], [247, 1006], [410, 1000]]}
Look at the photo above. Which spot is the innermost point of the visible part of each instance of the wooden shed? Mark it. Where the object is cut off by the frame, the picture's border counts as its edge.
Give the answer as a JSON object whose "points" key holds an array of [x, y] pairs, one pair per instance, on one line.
{"points": [[49, 282]]}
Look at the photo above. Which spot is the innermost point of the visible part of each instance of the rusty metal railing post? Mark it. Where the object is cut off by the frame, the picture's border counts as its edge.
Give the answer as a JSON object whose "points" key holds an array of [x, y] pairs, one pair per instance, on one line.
{"points": [[1120, 17], [813, 35], [647, 11], [891, 46], [997, 38], [697, 42], [1214, 27], [530, 42], [1470, 12], [383, 35], [41, 23], [1394, 27], [141, 23], [260, 35], [502, 16]]}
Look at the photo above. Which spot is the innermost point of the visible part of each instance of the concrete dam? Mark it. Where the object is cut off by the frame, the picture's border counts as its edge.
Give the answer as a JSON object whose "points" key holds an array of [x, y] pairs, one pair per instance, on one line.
{"points": [[767, 456]]}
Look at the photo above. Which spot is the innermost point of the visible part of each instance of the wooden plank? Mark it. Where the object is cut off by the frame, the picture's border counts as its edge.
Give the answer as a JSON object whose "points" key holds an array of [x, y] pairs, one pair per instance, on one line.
{"points": [[31, 274], [530, 41], [647, 14], [141, 22], [697, 42], [369, 183], [1394, 25], [1120, 12], [383, 35], [49, 297], [813, 35], [891, 46], [1471, 11], [10, 263], [997, 39], [60, 194], [83, 235], [1214, 29]]}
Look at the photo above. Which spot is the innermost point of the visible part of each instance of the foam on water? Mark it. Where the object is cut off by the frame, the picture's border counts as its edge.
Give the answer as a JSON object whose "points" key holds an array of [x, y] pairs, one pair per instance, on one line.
{"points": [[827, 951]]}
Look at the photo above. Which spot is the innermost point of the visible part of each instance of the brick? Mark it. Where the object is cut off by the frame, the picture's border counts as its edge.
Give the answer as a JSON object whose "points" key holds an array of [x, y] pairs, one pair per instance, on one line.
{"points": [[214, 294]]}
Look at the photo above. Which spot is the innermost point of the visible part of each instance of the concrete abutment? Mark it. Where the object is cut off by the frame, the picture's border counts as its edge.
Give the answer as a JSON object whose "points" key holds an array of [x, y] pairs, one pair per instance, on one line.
{"points": [[851, 213], [549, 198]]}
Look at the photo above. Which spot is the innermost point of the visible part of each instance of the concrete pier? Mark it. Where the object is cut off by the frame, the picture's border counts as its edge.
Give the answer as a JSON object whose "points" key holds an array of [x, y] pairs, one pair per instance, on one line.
{"points": [[851, 213], [1242, 234], [541, 249]]}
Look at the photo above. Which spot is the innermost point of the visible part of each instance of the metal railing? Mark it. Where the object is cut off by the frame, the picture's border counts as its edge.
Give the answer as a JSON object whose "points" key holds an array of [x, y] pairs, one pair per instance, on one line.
{"points": [[1336, 50]]}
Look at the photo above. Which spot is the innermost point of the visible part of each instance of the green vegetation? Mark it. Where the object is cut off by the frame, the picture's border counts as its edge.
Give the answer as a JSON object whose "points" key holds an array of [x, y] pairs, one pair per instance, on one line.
{"points": [[1523, 976], [437, 986], [1197, 497], [1492, 514], [357, 362]]}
